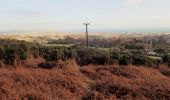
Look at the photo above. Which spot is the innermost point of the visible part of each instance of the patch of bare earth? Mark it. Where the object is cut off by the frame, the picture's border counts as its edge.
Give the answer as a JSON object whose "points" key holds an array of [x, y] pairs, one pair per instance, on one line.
{"points": [[88, 83]]}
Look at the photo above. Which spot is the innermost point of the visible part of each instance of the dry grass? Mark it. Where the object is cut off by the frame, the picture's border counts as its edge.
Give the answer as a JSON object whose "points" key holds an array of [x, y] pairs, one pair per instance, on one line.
{"points": [[39, 84], [88, 83], [126, 83], [165, 70]]}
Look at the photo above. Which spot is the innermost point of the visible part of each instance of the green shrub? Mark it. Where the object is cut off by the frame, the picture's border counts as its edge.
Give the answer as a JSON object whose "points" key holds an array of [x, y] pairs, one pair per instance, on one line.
{"points": [[166, 59], [10, 56], [124, 61], [91, 56], [146, 60], [23, 56], [114, 57]]}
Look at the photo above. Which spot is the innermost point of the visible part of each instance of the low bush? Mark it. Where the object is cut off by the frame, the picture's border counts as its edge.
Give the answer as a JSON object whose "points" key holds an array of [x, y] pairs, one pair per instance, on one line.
{"points": [[124, 61], [166, 59], [13, 52], [146, 60], [91, 56], [46, 65]]}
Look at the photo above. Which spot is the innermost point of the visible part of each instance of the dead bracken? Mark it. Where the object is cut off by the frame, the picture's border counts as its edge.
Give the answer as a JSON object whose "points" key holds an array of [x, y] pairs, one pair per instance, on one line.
{"points": [[90, 82]]}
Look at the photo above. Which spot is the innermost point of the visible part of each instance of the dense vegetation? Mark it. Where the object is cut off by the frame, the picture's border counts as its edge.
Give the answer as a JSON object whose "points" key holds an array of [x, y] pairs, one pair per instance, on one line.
{"points": [[93, 81], [14, 52]]}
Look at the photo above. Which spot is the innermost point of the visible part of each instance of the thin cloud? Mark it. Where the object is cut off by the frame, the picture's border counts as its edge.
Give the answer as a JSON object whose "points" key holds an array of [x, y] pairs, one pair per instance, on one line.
{"points": [[29, 13], [133, 2]]}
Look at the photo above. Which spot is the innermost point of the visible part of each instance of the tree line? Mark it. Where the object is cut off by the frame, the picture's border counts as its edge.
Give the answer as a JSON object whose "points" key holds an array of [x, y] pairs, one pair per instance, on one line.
{"points": [[14, 52]]}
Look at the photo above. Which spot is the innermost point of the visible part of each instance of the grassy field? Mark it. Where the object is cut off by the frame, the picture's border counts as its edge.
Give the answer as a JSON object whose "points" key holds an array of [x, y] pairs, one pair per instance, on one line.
{"points": [[57, 45], [155, 57]]}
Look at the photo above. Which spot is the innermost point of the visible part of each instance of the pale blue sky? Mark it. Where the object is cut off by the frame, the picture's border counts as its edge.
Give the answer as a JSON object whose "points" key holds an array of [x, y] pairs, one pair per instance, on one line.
{"points": [[68, 15]]}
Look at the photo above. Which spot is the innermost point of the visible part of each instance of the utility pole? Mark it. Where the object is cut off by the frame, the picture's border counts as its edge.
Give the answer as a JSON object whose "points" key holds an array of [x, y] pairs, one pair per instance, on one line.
{"points": [[86, 24]]}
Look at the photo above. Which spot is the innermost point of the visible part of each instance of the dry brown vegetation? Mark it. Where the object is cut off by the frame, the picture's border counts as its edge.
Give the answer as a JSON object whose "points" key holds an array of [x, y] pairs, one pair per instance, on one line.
{"points": [[73, 82]]}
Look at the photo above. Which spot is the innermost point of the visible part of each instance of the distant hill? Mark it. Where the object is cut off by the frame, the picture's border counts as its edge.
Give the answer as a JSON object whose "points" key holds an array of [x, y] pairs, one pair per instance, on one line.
{"points": [[44, 37]]}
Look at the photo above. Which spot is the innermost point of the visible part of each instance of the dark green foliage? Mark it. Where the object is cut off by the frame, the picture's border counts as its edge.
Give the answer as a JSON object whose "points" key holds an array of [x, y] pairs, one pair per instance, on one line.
{"points": [[133, 47], [58, 53], [114, 57], [22, 51], [13, 52], [138, 60], [46, 65], [146, 60], [35, 52], [51, 55], [2, 53], [166, 59], [69, 53], [124, 61], [83, 56], [10, 56], [160, 51], [91, 56], [100, 58], [23, 56]]}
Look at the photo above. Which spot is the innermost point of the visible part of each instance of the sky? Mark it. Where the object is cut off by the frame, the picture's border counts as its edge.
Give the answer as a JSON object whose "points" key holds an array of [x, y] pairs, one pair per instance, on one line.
{"points": [[68, 15]]}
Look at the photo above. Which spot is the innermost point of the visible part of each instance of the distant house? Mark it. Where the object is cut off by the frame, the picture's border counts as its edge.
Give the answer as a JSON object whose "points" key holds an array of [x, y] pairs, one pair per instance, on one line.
{"points": [[144, 46], [151, 53], [75, 44], [140, 46]]}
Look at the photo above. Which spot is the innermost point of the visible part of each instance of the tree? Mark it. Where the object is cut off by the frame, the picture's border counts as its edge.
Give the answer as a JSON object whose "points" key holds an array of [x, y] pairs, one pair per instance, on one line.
{"points": [[166, 59], [114, 57], [124, 61], [10, 56], [2, 55]]}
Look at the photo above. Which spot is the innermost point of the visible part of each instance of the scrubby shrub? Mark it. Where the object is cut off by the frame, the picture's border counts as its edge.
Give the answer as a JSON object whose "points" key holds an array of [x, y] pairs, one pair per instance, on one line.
{"points": [[51, 55], [100, 57], [160, 51], [46, 65], [69, 53], [91, 56], [146, 60], [166, 59], [10, 56], [114, 57], [124, 61], [2, 55], [84, 56], [13, 52], [138, 60], [23, 56]]}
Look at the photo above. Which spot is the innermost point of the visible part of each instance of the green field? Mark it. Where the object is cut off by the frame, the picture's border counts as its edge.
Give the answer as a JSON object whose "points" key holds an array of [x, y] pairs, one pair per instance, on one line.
{"points": [[155, 57], [57, 45]]}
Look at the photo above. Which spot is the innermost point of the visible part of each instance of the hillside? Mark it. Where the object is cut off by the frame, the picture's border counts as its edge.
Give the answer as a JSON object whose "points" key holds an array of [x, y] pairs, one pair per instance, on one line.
{"points": [[90, 82]]}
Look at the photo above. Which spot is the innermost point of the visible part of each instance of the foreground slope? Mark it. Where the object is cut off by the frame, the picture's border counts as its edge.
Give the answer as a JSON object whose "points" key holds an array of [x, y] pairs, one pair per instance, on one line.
{"points": [[89, 82]]}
